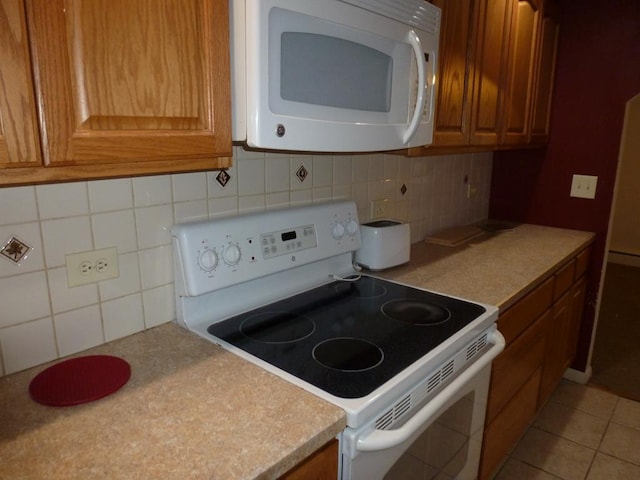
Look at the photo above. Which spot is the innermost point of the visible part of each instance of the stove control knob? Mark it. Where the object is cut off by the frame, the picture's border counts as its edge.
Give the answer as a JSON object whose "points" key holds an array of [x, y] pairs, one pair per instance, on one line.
{"points": [[337, 231], [208, 260], [352, 227], [231, 254]]}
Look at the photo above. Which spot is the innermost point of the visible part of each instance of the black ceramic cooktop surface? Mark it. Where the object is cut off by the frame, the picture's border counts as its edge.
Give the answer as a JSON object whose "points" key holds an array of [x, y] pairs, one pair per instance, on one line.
{"points": [[348, 338]]}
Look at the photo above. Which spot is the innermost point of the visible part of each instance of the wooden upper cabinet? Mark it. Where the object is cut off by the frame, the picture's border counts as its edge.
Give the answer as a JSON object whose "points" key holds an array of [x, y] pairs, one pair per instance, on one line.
{"points": [[545, 73], [19, 141], [523, 33], [491, 44], [126, 82], [454, 73]]}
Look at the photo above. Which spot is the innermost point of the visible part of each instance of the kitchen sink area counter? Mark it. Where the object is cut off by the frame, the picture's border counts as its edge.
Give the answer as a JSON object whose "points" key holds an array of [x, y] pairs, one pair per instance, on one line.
{"points": [[194, 411]]}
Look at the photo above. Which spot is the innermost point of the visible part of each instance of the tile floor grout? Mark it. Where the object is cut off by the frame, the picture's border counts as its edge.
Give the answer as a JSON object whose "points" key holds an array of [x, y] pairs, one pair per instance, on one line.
{"points": [[582, 433]]}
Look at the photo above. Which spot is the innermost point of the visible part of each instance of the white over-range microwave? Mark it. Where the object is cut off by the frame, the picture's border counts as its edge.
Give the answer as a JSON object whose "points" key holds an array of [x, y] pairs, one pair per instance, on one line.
{"points": [[334, 75]]}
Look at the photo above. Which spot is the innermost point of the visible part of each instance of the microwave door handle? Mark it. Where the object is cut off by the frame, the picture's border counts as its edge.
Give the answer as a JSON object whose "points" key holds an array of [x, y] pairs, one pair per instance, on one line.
{"points": [[414, 41], [382, 439]]}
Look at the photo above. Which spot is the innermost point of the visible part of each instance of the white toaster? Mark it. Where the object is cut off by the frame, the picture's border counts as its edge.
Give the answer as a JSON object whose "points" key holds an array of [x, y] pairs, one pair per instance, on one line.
{"points": [[385, 244]]}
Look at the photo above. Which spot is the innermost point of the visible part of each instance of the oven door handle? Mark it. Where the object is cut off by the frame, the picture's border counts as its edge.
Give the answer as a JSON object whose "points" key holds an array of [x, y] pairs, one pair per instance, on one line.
{"points": [[382, 439]]}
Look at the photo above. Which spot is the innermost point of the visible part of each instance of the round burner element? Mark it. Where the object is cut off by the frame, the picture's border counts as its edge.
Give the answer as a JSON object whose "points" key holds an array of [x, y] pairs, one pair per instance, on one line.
{"points": [[277, 327], [348, 354], [361, 289], [416, 312]]}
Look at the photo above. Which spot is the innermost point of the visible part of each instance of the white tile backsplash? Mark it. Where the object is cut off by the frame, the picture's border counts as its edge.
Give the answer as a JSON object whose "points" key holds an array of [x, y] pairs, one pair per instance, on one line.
{"points": [[192, 211], [23, 298], [22, 201], [65, 235], [122, 316], [156, 267], [62, 200], [108, 195], [153, 225], [159, 306], [115, 229], [189, 186], [42, 319], [277, 173], [78, 330], [148, 191], [28, 344], [64, 298], [128, 281], [251, 179]]}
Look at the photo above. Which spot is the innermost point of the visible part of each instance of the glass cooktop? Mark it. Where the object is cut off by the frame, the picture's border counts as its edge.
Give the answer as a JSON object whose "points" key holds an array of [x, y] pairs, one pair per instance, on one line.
{"points": [[348, 338]]}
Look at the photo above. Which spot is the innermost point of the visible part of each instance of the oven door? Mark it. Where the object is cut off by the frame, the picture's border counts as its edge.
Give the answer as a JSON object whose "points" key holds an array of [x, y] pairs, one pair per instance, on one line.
{"points": [[442, 440]]}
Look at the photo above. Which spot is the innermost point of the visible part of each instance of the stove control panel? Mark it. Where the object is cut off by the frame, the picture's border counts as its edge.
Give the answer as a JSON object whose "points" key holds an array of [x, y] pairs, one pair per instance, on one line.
{"points": [[288, 241], [215, 254]]}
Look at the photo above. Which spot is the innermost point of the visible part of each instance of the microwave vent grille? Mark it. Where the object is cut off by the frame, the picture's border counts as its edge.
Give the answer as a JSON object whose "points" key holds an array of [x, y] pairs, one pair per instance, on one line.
{"points": [[416, 13]]}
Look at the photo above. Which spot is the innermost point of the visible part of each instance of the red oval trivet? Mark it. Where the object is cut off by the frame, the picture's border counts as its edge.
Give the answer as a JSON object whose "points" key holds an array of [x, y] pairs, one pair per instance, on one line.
{"points": [[79, 380]]}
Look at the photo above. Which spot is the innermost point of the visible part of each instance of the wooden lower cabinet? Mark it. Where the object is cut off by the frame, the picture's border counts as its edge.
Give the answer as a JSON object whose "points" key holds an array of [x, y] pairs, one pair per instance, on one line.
{"points": [[557, 331], [512, 369], [322, 465], [578, 299], [502, 434], [541, 332]]}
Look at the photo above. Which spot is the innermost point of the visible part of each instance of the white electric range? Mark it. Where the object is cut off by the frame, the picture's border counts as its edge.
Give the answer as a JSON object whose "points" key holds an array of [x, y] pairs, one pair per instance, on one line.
{"points": [[280, 289]]}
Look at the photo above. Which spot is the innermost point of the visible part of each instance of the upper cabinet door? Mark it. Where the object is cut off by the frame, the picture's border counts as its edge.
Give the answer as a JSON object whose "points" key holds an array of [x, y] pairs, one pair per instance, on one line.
{"points": [[520, 76], [490, 67], [543, 90], [122, 81], [454, 73], [19, 145]]}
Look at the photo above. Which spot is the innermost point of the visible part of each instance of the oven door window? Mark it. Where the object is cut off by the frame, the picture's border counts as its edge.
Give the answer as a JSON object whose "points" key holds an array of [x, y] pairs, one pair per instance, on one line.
{"points": [[443, 449]]}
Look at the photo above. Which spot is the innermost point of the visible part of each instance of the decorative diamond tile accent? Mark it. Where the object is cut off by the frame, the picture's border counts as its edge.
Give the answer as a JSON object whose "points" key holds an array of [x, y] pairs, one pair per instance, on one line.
{"points": [[15, 250], [223, 178], [403, 189], [302, 173]]}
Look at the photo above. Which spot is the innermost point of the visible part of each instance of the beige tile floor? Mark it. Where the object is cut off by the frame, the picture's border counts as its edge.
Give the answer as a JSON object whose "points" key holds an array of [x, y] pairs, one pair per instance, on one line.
{"points": [[583, 433]]}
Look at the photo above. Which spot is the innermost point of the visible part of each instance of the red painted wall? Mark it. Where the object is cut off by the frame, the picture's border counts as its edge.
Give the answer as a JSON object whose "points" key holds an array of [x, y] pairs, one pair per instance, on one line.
{"points": [[598, 71]]}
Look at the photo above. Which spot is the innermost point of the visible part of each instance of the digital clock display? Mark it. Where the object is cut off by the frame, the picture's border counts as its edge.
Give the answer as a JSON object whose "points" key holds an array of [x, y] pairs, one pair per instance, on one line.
{"points": [[289, 236]]}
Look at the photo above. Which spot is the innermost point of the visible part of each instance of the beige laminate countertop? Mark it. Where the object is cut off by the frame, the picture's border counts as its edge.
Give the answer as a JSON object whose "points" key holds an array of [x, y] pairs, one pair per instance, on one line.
{"points": [[189, 411], [497, 269], [193, 411]]}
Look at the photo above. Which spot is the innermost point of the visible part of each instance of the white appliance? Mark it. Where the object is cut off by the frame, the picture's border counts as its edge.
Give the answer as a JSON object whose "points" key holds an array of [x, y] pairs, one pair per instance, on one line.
{"points": [[333, 75], [385, 244], [407, 365]]}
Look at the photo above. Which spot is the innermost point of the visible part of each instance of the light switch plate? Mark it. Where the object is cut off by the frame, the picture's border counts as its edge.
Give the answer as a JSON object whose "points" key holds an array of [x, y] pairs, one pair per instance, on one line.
{"points": [[584, 186]]}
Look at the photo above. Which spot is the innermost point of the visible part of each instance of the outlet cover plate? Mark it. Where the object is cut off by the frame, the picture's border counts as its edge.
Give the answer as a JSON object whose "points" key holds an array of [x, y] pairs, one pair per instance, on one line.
{"points": [[380, 208], [92, 266]]}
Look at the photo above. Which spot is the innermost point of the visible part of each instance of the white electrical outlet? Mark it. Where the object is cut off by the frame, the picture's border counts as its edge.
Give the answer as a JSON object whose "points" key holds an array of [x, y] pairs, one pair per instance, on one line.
{"points": [[92, 266], [583, 186], [381, 208]]}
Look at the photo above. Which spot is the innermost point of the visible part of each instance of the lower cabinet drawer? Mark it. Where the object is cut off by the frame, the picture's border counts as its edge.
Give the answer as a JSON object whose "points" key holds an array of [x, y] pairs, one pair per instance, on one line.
{"points": [[517, 319], [515, 365], [505, 430]]}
